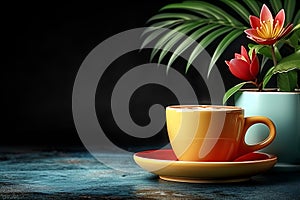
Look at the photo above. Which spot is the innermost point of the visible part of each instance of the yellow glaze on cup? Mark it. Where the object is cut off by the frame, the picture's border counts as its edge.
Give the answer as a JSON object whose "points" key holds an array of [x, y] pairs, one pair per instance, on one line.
{"points": [[212, 133]]}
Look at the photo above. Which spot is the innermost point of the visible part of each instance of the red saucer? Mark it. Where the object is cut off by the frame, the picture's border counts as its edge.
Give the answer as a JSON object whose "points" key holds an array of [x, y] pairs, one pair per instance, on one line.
{"points": [[165, 164], [168, 154]]}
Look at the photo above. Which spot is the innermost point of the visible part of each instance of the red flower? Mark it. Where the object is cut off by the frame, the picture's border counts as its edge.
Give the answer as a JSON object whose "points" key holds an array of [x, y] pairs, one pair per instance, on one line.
{"points": [[242, 67], [266, 30]]}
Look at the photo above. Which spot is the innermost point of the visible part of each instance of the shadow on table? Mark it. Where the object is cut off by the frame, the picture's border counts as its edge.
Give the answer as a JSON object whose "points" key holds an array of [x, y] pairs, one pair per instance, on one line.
{"points": [[271, 185], [270, 178]]}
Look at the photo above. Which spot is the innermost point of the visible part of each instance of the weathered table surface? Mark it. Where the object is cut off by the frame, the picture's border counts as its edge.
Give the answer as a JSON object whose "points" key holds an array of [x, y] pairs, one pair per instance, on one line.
{"points": [[78, 175]]}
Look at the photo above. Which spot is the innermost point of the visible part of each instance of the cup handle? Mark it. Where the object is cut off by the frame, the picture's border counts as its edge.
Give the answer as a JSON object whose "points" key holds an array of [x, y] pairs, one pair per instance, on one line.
{"points": [[249, 121]]}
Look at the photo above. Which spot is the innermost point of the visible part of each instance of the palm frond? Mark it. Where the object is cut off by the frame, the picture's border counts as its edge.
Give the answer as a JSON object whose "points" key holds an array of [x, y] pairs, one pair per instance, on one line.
{"points": [[152, 36], [168, 36], [276, 5], [191, 40], [157, 29], [204, 22], [222, 46], [297, 18], [163, 40], [177, 37], [289, 7], [242, 11], [163, 24], [205, 42], [254, 7], [166, 16], [206, 9]]}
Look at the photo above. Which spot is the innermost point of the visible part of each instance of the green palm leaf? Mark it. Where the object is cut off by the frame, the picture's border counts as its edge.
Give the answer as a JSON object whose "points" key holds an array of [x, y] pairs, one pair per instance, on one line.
{"points": [[276, 5], [289, 7], [191, 40], [242, 11], [222, 46], [177, 37], [205, 42], [152, 37], [204, 21], [297, 18], [253, 5], [209, 17], [165, 38], [206, 9], [158, 27], [165, 16], [184, 6]]}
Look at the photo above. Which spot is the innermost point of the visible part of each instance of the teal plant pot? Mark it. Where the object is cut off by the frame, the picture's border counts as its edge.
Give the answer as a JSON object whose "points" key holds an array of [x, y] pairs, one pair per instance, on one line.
{"points": [[283, 108]]}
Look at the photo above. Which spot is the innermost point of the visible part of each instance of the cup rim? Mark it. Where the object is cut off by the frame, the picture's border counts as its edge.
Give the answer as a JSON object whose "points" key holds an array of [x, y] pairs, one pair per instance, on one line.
{"points": [[227, 108]]}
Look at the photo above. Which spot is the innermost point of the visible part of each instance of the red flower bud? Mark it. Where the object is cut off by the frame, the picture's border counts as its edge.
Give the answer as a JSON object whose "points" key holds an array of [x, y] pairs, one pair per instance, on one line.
{"points": [[243, 67]]}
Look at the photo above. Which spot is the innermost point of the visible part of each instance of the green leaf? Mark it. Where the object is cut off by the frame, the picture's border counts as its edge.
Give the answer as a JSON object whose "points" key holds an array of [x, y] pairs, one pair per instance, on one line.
{"points": [[297, 18], [163, 24], [287, 82], [287, 72], [264, 50], [294, 39], [176, 38], [264, 61], [288, 63], [204, 8], [287, 66], [253, 5], [188, 8], [152, 37], [167, 37], [235, 5], [296, 27], [233, 90], [261, 49], [205, 42], [226, 41], [289, 8], [191, 40], [170, 34], [187, 12], [277, 53], [276, 5], [156, 30], [268, 76], [257, 48], [165, 16]]}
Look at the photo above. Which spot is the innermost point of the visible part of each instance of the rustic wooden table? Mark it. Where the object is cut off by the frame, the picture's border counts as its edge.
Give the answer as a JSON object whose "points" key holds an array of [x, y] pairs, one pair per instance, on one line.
{"points": [[77, 174]]}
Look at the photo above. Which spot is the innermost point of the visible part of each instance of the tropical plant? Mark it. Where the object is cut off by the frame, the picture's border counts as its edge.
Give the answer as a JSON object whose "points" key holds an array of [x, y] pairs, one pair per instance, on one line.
{"points": [[268, 33], [205, 22]]}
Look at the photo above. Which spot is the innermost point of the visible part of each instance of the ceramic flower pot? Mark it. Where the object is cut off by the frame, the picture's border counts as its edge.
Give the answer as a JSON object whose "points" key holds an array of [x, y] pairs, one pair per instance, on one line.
{"points": [[283, 108]]}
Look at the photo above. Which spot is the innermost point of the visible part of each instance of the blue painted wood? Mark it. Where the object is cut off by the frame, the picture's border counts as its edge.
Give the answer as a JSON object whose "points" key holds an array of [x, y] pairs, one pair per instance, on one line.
{"points": [[78, 175]]}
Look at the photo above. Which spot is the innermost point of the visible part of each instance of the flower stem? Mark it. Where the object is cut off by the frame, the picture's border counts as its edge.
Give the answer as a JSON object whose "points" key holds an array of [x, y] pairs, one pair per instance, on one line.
{"points": [[273, 55], [258, 85]]}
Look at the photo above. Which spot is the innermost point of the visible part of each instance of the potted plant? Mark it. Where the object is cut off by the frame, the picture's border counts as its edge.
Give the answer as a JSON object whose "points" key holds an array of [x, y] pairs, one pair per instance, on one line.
{"points": [[281, 104], [205, 22]]}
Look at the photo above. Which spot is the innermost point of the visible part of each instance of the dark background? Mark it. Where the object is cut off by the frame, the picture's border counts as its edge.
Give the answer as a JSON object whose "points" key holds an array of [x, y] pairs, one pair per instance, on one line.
{"points": [[51, 40]]}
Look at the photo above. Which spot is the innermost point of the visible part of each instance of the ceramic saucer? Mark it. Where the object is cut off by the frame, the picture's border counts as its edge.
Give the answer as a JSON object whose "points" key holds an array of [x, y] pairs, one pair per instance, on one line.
{"points": [[165, 164]]}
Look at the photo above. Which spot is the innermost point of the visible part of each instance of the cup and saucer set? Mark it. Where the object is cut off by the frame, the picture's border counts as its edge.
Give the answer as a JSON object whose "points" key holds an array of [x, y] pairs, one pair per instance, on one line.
{"points": [[208, 146]]}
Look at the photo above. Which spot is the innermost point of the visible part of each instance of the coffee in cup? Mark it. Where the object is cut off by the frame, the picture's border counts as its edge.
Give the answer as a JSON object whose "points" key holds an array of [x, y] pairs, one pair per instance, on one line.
{"points": [[212, 133]]}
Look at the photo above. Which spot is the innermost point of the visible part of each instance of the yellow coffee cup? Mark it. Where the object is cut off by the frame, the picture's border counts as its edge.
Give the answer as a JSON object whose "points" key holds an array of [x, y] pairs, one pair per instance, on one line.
{"points": [[212, 133]]}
